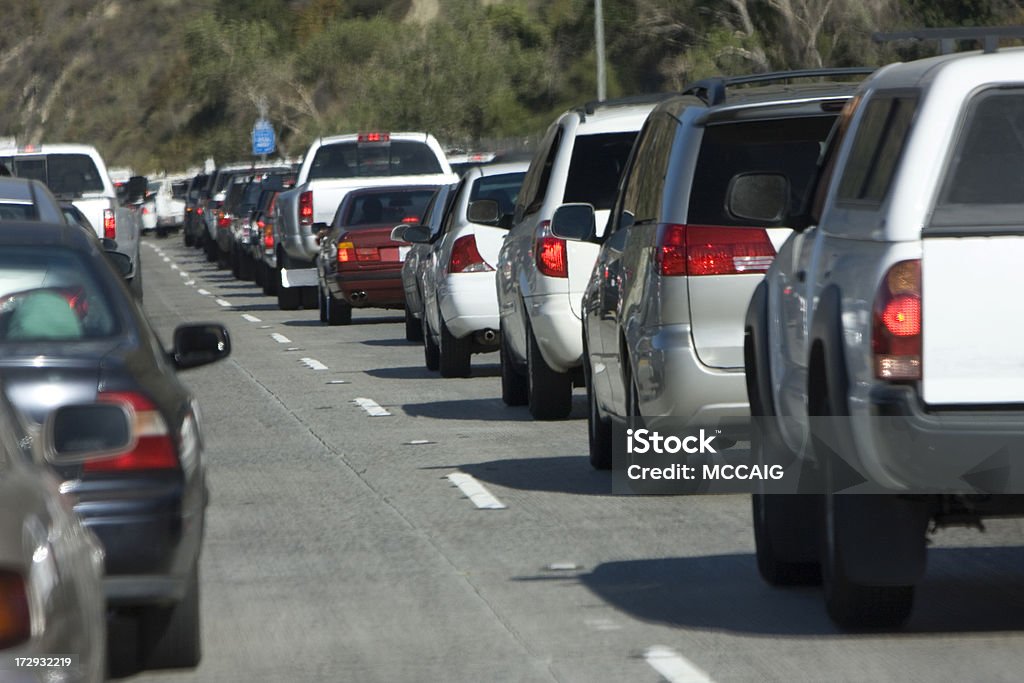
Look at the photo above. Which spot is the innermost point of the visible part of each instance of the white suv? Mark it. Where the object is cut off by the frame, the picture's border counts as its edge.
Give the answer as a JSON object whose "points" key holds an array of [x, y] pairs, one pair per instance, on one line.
{"points": [[541, 277], [883, 351]]}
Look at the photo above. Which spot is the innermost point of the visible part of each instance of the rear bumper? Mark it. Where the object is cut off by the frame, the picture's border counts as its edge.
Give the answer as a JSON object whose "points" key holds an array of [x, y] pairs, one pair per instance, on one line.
{"points": [[380, 288], [469, 303], [558, 331], [672, 381], [902, 444]]}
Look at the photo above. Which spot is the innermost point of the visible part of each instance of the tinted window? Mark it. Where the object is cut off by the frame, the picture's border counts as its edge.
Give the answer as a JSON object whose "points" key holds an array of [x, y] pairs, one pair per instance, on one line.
{"points": [[51, 294], [876, 149], [788, 146], [352, 160], [643, 189], [535, 185], [595, 168], [18, 212], [503, 189], [386, 208], [64, 174], [179, 188], [987, 167]]}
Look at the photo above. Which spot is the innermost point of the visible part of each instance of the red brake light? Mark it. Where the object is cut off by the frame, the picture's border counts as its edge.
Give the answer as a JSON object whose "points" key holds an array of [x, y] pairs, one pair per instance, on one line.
{"points": [[224, 221], [306, 208], [896, 325], [154, 448], [466, 258], [199, 210], [374, 137], [109, 226], [15, 617], [712, 250], [411, 220], [346, 252]]}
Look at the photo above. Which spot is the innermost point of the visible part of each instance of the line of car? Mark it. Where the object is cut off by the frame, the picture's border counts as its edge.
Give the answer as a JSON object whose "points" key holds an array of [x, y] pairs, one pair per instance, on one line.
{"points": [[113, 527], [629, 257]]}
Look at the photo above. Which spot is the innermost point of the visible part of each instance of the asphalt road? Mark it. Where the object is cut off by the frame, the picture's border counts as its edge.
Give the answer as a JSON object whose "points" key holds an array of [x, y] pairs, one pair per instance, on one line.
{"points": [[338, 549]]}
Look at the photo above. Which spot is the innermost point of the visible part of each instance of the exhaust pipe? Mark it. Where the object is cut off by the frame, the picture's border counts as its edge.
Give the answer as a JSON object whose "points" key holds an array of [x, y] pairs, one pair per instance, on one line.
{"points": [[357, 296], [488, 337]]}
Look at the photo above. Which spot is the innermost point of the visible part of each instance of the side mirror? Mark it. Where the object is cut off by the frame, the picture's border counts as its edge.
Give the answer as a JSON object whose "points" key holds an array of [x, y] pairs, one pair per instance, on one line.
{"points": [[122, 262], [573, 222], [398, 233], [196, 345], [88, 431], [486, 211], [274, 183], [761, 197], [417, 234]]}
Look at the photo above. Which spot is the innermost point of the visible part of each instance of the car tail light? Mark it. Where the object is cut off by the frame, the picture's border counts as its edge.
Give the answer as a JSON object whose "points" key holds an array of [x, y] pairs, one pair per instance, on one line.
{"points": [[268, 236], [466, 258], [223, 220], [306, 208], [367, 254], [346, 252], [109, 226], [15, 616], [145, 210], [551, 252], [154, 448], [896, 324], [712, 250], [374, 137], [411, 220], [199, 211]]}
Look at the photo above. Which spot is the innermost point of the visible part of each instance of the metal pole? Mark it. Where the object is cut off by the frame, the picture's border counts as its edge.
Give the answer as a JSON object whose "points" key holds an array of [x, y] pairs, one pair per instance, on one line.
{"points": [[602, 87]]}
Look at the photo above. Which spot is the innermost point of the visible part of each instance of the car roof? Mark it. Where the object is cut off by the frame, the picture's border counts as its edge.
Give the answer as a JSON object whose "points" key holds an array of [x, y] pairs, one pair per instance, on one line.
{"points": [[57, 148], [763, 97], [353, 137], [977, 65], [22, 233], [502, 168], [17, 189]]}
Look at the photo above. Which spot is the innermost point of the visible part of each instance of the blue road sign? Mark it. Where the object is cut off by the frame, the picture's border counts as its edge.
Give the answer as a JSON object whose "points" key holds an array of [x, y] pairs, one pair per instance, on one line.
{"points": [[263, 141]]}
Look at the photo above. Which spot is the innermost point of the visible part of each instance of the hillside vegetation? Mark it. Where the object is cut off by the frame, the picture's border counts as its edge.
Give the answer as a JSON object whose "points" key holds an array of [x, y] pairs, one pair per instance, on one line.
{"points": [[164, 84]]}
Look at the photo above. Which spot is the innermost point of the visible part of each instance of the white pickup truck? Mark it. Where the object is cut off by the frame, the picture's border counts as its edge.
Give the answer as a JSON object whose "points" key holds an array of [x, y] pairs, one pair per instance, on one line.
{"points": [[78, 174], [333, 167]]}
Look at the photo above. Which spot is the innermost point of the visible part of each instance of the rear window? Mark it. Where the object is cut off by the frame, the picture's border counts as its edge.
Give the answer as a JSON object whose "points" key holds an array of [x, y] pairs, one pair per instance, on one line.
{"points": [[985, 180], [67, 175], [10, 211], [594, 170], [787, 146], [386, 208], [503, 189], [179, 188], [355, 160], [51, 294]]}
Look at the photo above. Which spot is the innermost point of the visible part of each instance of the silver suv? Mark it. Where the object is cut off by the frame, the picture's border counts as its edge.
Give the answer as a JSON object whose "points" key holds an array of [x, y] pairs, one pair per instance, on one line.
{"points": [[883, 348], [695, 225]]}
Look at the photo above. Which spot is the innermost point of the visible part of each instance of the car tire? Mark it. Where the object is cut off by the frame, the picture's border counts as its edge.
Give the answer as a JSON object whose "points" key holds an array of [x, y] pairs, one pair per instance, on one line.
{"points": [[513, 383], [549, 393], [431, 352], [210, 247], [170, 636], [338, 312], [258, 272], [454, 354], [235, 260], [288, 298], [322, 300], [188, 238], [413, 328], [599, 429], [246, 270], [271, 280], [781, 522], [136, 283]]}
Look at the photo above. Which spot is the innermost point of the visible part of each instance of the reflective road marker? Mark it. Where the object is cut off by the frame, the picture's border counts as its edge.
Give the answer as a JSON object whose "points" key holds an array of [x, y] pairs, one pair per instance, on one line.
{"points": [[475, 491], [371, 407], [673, 667]]}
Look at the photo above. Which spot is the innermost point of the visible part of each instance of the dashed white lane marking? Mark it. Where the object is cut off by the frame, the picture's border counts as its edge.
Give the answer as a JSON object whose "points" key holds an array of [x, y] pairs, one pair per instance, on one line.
{"points": [[167, 259], [174, 266], [183, 273], [191, 283], [280, 338], [337, 381], [313, 364], [251, 318], [203, 292], [224, 303], [673, 667], [602, 624], [475, 491], [371, 407]]}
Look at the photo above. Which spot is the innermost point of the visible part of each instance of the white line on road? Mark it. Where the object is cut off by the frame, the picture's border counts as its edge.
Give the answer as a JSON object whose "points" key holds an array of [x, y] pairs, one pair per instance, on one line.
{"points": [[280, 338], [673, 667], [183, 273], [174, 266], [224, 303], [190, 283], [475, 491], [203, 292], [167, 259], [313, 364], [371, 407], [251, 318]]}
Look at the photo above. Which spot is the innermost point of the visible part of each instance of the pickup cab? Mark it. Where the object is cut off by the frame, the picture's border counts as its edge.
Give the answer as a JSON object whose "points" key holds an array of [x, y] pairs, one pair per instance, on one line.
{"points": [[78, 174], [331, 168]]}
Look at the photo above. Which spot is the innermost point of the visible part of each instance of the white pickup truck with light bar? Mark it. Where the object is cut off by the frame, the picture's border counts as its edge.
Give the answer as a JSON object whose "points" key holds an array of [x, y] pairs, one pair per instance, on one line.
{"points": [[77, 173], [332, 168]]}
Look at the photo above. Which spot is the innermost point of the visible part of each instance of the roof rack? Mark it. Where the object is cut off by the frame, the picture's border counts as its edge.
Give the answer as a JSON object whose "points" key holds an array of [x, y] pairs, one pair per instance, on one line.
{"points": [[988, 36], [712, 90], [590, 107]]}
